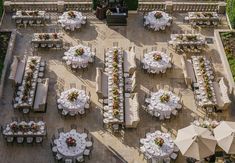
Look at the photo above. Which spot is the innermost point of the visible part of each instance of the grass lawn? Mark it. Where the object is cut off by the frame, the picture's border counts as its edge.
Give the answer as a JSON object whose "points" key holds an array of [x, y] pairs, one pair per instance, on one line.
{"points": [[228, 39]]}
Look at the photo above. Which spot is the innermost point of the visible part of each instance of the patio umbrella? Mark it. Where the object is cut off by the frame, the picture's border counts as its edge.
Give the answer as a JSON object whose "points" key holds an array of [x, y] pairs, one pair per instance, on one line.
{"points": [[195, 142], [225, 136]]}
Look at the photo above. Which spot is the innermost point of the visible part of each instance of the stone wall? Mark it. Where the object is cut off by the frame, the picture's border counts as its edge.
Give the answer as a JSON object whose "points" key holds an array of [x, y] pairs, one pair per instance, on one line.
{"points": [[224, 60], [55, 6], [171, 6], [8, 59]]}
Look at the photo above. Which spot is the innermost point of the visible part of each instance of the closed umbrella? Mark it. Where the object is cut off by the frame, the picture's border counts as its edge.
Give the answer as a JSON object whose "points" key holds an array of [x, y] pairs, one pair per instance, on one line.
{"points": [[225, 136], [195, 142]]}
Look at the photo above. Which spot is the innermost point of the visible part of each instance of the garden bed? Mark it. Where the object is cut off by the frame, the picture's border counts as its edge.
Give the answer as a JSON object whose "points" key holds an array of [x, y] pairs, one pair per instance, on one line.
{"points": [[7, 43], [228, 40], [4, 41]]}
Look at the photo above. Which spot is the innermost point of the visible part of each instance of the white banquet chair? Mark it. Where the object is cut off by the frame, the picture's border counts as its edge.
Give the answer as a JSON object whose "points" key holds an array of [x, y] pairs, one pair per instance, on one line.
{"points": [[29, 140], [38, 140], [64, 112], [80, 159], [87, 153], [68, 160], [9, 139], [58, 156]]}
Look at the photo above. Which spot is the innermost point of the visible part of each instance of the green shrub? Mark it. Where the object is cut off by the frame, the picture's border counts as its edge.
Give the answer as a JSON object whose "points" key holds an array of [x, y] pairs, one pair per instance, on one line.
{"points": [[231, 11]]}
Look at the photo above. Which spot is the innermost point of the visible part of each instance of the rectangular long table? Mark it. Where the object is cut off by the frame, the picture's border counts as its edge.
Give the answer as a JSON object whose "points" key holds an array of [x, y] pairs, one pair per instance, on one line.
{"points": [[26, 92], [116, 119], [8, 129], [203, 18], [22, 16], [202, 78], [53, 39]]}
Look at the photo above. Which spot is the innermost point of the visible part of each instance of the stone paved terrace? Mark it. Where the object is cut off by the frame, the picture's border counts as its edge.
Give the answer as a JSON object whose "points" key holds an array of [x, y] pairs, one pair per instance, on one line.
{"points": [[100, 36]]}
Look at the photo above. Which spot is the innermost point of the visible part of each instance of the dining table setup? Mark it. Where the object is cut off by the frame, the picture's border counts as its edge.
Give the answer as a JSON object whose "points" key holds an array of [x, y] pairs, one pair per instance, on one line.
{"points": [[71, 145], [203, 88], [162, 104], [72, 20], [79, 56], [29, 17], [203, 18], [114, 110], [156, 62], [187, 43], [206, 123], [26, 91], [157, 20], [21, 130], [73, 101], [47, 40], [158, 147]]}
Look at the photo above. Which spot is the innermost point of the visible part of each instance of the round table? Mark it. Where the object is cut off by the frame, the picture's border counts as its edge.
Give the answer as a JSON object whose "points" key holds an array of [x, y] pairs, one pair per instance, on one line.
{"points": [[156, 62], [78, 61], [164, 108], [71, 23], [154, 151], [76, 105], [72, 151], [157, 23]]}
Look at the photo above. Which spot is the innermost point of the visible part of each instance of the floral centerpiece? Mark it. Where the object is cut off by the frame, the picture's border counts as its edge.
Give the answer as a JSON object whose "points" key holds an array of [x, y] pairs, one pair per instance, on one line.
{"points": [[159, 141], [157, 57], [205, 77], [79, 52], [46, 36], [73, 96], [207, 14], [55, 36], [14, 127], [71, 142], [191, 38], [165, 97], [34, 127], [158, 15], [33, 60], [71, 14]]}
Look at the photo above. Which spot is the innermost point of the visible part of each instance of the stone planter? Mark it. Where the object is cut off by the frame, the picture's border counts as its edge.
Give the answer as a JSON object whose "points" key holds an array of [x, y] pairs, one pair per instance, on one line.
{"points": [[8, 59], [224, 60]]}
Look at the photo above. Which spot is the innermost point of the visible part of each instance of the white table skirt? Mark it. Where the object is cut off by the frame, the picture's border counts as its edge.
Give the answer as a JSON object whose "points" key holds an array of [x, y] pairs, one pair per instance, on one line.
{"points": [[62, 147], [157, 24], [163, 108], [156, 66], [152, 150], [75, 106], [72, 23], [78, 61]]}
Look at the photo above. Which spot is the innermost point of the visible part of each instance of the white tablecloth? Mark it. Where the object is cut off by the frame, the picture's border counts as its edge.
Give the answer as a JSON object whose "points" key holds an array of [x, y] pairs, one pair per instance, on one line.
{"points": [[109, 112], [163, 108], [152, 150], [41, 128], [157, 24], [75, 106], [78, 61], [201, 93], [75, 151], [154, 66], [71, 23]]}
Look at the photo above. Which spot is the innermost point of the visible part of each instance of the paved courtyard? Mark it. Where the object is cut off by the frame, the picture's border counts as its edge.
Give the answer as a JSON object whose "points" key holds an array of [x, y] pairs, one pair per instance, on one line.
{"points": [[101, 37]]}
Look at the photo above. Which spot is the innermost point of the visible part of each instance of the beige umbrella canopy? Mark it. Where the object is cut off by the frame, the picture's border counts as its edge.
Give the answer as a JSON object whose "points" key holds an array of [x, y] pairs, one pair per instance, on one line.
{"points": [[195, 142], [225, 136]]}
